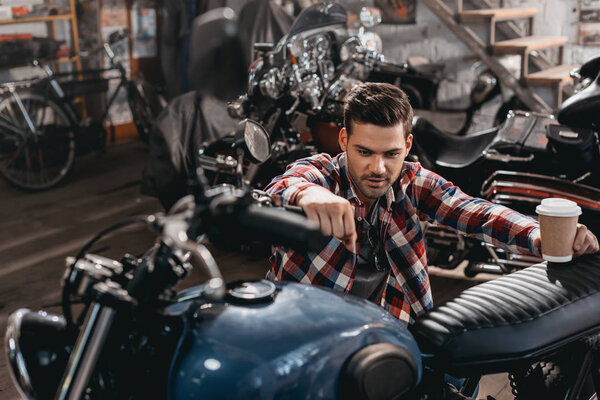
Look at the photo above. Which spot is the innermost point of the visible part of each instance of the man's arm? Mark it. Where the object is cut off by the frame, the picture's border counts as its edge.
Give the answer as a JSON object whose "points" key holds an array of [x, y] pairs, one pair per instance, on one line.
{"points": [[310, 184], [441, 201]]}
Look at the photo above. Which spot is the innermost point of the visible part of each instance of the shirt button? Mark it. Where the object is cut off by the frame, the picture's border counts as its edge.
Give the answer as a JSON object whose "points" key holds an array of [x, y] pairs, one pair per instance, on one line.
{"points": [[359, 219]]}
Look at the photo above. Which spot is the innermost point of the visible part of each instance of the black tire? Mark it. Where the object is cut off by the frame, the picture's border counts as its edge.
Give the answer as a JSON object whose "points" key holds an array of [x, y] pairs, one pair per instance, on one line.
{"points": [[551, 379], [145, 107], [37, 161]]}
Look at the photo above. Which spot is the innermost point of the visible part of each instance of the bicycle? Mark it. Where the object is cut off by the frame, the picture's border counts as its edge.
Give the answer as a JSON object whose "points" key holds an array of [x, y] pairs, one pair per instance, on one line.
{"points": [[41, 130]]}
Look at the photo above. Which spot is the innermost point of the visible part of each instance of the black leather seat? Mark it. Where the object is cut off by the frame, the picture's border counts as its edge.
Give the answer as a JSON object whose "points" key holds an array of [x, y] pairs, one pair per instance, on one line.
{"points": [[435, 147], [528, 313]]}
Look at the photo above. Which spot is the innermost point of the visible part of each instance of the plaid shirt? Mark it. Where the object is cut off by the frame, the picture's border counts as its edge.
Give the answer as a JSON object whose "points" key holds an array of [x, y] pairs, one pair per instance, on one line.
{"points": [[418, 195]]}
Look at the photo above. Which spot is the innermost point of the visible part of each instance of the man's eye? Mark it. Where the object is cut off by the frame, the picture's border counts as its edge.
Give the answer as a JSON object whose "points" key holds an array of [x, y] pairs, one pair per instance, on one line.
{"points": [[364, 152], [394, 154]]}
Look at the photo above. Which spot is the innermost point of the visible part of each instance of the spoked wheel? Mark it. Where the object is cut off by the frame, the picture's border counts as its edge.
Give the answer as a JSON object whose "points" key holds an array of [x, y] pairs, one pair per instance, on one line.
{"points": [[145, 106], [37, 148]]}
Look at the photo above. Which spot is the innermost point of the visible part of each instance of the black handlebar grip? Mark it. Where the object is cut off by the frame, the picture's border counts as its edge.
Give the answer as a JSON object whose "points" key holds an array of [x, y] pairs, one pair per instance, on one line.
{"points": [[282, 227], [295, 209]]}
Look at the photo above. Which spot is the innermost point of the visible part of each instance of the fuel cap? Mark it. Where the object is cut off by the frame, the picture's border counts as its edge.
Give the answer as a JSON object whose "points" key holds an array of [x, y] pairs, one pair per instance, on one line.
{"points": [[250, 292]]}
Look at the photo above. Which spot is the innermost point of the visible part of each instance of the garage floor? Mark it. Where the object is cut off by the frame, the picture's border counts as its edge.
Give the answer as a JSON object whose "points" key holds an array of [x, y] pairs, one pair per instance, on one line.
{"points": [[38, 230]]}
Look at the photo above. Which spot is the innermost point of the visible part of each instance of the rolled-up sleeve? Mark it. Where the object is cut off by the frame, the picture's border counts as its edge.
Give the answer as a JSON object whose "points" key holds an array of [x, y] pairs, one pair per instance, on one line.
{"points": [[302, 174]]}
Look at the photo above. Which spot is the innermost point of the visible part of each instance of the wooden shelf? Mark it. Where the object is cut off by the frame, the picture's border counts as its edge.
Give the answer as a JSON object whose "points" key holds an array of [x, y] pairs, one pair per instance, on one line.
{"points": [[48, 18], [557, 74], [499, 13], [529, 43]]}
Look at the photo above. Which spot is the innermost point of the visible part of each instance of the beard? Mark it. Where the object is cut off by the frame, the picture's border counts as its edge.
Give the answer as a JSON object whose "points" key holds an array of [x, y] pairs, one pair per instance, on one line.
{"points": [[370, 186]]}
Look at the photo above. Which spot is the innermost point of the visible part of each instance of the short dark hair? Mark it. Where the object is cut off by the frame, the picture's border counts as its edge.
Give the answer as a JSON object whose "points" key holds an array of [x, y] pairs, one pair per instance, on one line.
{"points": [[380, 104]]}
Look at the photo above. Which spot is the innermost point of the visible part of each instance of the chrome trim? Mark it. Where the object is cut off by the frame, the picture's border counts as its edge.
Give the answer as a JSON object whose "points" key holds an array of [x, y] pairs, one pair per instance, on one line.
{"points": [[18, 369], [510, 184], [493, 154], [86, 352], [538, 176], [530, 113]]}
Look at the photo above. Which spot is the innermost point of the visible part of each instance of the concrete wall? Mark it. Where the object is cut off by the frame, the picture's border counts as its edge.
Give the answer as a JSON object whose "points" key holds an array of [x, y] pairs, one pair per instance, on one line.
{"points": [[431, 39]]}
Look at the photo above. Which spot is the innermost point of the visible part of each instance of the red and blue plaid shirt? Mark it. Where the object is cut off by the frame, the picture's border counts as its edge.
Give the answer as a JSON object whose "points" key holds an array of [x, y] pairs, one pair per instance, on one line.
{"points": [[418, 195]]}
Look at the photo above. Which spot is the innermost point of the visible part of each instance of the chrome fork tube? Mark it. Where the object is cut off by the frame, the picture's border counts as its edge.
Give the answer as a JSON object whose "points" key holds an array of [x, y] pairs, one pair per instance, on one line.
{"points": [[86, 352]]}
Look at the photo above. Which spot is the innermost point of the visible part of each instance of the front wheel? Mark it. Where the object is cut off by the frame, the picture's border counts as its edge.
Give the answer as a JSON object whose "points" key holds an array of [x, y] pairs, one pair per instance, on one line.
{"points": [[37, 145]]}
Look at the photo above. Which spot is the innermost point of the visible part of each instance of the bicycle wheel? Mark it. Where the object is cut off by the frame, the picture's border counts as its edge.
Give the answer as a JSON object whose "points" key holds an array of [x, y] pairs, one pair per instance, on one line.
{"points": [[39, 159], [145, 106]]}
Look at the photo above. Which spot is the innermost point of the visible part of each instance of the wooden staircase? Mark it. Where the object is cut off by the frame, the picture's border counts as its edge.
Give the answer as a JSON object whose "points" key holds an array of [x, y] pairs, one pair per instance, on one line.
{"points": [[531, 48]]}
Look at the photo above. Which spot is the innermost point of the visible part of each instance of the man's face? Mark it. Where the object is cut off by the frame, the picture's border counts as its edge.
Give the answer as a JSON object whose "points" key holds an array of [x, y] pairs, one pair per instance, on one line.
{"points": [[374, 157]]}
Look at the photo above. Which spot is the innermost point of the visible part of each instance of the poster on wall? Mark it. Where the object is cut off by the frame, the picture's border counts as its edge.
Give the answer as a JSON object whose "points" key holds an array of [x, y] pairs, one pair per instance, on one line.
{"points": [[591, 15], [587, 4], [589, 34], [397, 11], [113, 18], [143, 30]]}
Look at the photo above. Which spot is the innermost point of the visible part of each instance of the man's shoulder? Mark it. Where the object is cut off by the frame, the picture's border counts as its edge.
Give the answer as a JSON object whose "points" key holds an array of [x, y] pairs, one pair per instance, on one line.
{"points": [[322, 161], [414, 174]]}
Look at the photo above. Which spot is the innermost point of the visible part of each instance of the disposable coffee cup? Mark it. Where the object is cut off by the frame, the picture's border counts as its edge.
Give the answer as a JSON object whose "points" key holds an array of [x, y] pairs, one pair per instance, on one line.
{"points": [[558, 225]]}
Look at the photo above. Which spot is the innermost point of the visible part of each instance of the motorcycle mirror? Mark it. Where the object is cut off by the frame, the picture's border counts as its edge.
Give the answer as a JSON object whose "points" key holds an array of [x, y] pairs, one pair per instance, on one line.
{"points": [[254, 140], [370, 16], [217, 63]]}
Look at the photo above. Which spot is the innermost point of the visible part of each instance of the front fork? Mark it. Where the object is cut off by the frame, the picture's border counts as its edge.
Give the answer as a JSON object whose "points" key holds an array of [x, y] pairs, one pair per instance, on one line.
{"points": [[92, 337]]}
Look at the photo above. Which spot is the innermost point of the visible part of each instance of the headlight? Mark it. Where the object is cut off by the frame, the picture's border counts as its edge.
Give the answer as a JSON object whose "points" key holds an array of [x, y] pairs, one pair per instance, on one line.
{"points": [[297, 46]]}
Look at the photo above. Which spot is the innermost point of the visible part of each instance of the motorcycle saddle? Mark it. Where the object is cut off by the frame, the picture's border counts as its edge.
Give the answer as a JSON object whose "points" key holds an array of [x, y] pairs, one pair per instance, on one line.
{"points": [[523, 315], [435, 147]]}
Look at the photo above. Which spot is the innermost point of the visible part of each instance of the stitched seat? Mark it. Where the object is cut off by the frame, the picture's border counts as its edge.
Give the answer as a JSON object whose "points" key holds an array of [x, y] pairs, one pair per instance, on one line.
{"points": [[446, 150], [527, 313]]}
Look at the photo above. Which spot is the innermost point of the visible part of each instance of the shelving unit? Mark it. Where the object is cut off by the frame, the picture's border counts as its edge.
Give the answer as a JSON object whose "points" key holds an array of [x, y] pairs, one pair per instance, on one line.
{"points": [[51, 20]]}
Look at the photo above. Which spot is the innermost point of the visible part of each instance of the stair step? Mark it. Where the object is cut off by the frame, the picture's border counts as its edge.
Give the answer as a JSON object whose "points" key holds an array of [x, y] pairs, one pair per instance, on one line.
{"points": [[529, 43], [499, 13], [558, 74]]}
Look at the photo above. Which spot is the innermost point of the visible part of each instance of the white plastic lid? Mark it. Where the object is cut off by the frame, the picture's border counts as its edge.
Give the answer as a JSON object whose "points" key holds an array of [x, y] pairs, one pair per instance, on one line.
{"points": [[557, 207]]}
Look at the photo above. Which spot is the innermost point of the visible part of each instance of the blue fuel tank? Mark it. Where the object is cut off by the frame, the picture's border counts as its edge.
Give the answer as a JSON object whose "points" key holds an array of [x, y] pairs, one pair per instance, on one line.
{"points": [[287, 341]]}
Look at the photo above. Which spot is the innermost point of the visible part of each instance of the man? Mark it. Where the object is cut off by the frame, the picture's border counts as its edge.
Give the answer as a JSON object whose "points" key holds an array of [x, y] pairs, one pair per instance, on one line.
{"points": [[371, 202]]}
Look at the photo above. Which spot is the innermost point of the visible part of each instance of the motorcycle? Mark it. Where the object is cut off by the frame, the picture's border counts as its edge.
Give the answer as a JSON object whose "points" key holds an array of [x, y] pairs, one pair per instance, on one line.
{"points": [[530, 157], [297, 88], [138, 338]]}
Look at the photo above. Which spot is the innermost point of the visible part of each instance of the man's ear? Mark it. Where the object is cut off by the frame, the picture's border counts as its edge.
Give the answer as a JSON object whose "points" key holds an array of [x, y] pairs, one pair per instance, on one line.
{"points": [[409, 141], [343, 139]]}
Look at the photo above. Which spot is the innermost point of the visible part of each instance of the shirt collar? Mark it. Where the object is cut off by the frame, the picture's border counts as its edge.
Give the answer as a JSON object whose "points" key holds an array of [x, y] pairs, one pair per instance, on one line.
{"points": [[348, 190]]}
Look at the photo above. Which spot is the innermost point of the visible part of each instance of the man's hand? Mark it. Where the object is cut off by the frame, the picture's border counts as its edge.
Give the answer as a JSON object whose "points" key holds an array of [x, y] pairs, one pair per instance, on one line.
{"points": [[585, 242], [333, 213]]}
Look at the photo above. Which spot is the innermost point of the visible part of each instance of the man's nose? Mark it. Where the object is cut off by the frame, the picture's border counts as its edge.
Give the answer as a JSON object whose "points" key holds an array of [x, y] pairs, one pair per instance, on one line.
{"points": [[377, 165]]}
